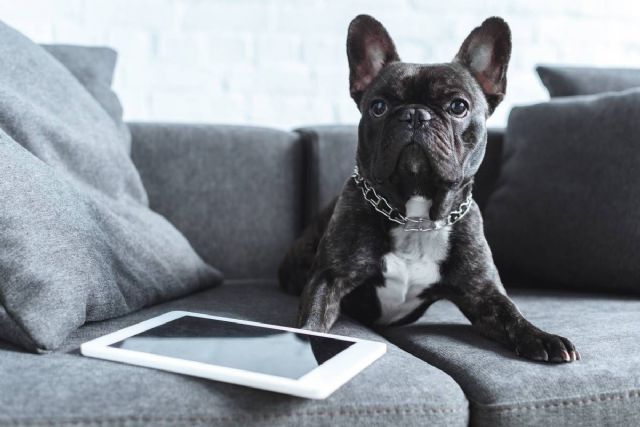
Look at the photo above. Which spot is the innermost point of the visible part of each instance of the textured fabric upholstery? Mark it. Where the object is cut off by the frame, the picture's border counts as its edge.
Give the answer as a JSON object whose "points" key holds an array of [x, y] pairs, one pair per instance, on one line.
{"points": [[331, 154], [570, 81], [603, 388], [560, 213], [64, 388], [94, 68], [78, 241], [235, 192]]}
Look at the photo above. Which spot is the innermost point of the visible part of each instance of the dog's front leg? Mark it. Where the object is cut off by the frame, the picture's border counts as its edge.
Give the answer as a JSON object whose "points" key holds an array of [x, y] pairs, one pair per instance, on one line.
{"points": [[491, 311], [320, 302], [474, 285]]}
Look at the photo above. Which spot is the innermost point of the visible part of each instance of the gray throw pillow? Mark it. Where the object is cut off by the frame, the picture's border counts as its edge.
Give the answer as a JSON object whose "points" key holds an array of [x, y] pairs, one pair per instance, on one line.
{"points": [[565, 210], [93, 67], [77, 240], [570, 81]]}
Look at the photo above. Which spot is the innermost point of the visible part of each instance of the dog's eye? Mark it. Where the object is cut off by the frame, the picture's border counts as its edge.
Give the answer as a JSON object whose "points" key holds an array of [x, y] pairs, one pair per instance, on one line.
{"points": [[458, 107], [378, 107]]}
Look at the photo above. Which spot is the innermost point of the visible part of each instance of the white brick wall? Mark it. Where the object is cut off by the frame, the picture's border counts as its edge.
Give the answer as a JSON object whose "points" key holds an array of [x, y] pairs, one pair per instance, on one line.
{"points": [[282, 62]]}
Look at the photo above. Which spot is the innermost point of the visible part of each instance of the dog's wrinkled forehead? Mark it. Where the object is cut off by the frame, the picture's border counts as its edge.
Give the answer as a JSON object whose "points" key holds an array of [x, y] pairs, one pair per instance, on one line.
{"points": [[405, 83]]}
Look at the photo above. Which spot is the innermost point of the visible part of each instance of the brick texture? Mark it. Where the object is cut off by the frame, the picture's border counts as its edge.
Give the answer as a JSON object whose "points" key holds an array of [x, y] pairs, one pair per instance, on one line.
{"points": [[282, 62]]}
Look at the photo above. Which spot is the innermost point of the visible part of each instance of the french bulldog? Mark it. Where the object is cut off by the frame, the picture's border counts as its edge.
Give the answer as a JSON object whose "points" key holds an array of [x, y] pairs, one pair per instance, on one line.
{"points": [[405, 231]]}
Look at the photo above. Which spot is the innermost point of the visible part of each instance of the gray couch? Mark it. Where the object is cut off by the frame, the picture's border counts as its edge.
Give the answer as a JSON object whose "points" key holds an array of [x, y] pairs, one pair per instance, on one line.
{"points": [[241, 196]]}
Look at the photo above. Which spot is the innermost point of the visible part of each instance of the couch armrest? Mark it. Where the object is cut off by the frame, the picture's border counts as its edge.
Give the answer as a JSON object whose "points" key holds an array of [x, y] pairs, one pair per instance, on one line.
{"points": [[234, 191]]}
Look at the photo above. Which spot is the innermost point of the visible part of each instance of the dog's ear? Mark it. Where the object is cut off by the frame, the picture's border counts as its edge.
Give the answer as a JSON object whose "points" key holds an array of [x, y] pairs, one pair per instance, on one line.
{"points": [[369, 49], [486, 52]]}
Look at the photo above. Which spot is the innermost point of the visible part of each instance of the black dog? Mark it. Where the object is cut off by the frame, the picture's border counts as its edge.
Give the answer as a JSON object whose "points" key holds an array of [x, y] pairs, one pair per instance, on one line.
{"points": [[405, 231]]}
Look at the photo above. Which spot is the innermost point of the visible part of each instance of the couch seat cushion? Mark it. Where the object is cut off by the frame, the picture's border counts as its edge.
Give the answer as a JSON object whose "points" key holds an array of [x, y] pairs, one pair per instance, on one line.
{"points": [[603, 388], [64, 388]]}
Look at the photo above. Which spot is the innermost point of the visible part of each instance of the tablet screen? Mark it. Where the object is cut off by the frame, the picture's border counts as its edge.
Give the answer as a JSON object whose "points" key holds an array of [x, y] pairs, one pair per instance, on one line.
{"points": [[234, 345]]}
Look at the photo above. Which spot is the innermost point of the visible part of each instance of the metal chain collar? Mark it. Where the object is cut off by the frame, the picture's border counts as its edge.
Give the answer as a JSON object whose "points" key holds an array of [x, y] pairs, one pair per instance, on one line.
{"points": [[383, 206]]}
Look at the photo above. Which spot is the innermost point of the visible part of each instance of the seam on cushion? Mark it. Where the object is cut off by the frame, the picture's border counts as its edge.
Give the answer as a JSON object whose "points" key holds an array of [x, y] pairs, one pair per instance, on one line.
{"points": [[256, 417], [525, 406], [577, 401]]}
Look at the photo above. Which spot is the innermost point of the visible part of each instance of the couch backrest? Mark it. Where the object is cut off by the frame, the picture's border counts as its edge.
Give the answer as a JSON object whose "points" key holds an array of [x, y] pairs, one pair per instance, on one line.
{"points": [[235, 192], [241, 195], [330, 154]]}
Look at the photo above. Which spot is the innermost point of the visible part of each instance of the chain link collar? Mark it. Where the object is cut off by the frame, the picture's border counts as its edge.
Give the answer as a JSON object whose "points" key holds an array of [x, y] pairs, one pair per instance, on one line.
{"points": [[383, 206]]}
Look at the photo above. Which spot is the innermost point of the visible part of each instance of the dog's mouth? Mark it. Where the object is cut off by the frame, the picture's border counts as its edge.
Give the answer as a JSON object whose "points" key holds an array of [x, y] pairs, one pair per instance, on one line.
{"points": [[412, 172], [415, 175]]}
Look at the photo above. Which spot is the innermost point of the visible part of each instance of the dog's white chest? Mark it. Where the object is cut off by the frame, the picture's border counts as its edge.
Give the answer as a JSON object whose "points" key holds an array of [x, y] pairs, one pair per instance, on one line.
{"points": [[412, 266]]}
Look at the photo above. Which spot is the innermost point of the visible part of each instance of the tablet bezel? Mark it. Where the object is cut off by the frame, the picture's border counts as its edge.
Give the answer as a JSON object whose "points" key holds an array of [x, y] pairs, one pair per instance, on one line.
{"points": [[316, 384]]}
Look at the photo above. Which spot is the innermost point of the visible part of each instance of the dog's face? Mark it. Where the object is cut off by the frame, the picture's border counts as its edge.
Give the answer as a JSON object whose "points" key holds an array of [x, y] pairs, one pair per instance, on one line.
{"points": [[423, 127]]}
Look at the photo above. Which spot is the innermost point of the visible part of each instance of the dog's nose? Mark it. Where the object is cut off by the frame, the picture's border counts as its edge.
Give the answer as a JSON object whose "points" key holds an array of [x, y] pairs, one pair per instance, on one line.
{"points": [[415, 117]]}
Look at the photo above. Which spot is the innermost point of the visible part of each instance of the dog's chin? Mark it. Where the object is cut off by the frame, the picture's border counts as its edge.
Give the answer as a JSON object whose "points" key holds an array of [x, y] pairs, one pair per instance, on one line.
{"points": [[440, 201], [440, 198], [413, 175]]}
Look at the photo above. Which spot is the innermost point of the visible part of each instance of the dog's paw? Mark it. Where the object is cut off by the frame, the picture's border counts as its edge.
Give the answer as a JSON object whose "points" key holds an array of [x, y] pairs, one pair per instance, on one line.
{"points": [[543, 347]]}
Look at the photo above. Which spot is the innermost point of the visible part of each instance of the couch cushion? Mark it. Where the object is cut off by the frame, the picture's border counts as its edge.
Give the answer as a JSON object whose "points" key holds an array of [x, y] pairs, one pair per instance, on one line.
{"points": [[562, 212], [331, 156], [234, 191], [570, 81], [78, 239], [603, 388], [64, 388], [93, 67]]}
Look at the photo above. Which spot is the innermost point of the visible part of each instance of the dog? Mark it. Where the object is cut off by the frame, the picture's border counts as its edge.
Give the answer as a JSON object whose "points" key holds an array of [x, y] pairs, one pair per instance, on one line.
{"points": [[405, 231]]}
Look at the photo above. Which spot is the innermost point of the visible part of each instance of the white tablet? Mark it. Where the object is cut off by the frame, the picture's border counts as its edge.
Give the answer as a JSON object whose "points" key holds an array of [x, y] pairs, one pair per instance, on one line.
{"points": [[286, 360]]}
